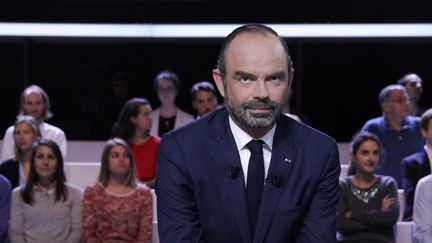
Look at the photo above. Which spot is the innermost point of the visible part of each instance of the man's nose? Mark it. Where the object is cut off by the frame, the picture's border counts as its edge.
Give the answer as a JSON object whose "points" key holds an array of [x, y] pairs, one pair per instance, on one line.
{"points": [[261, 90]]}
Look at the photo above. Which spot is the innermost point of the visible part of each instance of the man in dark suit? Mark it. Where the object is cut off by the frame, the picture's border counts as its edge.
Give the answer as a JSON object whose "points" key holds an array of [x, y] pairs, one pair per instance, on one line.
{"points": [[417, 165], [214, 186]]}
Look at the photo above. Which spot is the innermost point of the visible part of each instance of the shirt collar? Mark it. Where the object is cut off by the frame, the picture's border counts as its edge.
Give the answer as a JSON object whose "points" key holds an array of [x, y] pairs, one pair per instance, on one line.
{"points": [[241, 138], [428, 152], [51, 188]]}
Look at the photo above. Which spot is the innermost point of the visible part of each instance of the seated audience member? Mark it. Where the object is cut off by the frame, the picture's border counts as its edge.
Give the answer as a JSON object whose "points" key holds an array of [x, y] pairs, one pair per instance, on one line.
{"points": [[5, 201], [368, 206], [204, 98], [398, 132], [46, 209], [417, 165], [133, 126], [422, 214], [25, 133], [116, 209], [413, 84], [36, 103], [168, 116]]}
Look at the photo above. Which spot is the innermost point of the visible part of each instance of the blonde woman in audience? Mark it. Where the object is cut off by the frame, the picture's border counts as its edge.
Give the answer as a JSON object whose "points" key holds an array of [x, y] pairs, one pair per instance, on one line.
{"points": [[368, 206], [46, 209], [35, 102], [116, 209], [25, 133]]}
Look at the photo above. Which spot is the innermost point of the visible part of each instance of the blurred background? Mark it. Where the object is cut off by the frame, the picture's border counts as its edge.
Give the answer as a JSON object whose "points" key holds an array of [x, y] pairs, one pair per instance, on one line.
{"points": [[336, 83]]}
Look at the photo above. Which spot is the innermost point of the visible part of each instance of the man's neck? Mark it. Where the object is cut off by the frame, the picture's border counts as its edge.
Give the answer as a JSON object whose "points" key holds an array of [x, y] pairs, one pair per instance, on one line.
{"points": [[395, 123]]}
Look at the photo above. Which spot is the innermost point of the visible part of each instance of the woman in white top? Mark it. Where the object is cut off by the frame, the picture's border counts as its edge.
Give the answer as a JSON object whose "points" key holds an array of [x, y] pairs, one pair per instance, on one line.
{"points": [[25, 133], [168, 116]]}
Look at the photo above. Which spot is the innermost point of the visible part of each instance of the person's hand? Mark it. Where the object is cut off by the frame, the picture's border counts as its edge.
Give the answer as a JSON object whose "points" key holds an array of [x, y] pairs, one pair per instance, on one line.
{"points": [[387, 202]]}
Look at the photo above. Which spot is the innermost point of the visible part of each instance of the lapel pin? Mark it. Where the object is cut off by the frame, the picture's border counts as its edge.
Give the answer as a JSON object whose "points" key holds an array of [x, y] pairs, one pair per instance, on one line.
{"points": [[287, 160]]}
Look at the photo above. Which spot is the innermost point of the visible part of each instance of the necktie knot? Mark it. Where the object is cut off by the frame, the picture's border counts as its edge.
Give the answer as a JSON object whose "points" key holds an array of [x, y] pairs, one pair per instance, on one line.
{"points": [[255, 146]]}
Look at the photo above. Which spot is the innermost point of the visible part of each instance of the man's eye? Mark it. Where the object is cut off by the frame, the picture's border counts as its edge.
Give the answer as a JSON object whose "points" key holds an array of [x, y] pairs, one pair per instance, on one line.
{"points": [[244, 79]]}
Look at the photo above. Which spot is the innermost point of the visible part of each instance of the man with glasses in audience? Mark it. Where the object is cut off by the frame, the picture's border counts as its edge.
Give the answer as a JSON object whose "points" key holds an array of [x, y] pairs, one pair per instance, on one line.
{"points": [[398, 131]]}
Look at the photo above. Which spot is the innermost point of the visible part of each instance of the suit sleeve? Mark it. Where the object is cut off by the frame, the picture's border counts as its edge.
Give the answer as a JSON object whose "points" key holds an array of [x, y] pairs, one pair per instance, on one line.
{"points": [[320, 222], [408, 185], [178, 219]]}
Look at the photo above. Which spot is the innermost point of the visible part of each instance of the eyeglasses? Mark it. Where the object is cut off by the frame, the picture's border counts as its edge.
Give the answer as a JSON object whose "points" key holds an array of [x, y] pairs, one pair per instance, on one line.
{"points": [[414, 84], [166, 90], [399, 100]]}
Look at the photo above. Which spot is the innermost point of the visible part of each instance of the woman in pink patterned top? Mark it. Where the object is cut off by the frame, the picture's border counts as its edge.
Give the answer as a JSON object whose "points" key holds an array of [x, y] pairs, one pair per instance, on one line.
{"points": [[116, 209]]}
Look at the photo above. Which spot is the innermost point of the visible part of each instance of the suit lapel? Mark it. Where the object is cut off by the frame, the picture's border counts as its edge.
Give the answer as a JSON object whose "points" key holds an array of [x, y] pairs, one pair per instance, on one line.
{"points": [[225, 155], [282, 160]]}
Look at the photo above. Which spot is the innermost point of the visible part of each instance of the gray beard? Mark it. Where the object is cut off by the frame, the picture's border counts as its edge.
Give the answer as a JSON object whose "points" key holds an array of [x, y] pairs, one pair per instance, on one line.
{"points": [[243, 115]]}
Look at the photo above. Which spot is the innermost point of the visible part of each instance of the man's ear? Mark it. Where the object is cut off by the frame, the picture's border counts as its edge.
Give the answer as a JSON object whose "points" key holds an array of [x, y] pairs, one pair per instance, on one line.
{"points": [[217, 76]]}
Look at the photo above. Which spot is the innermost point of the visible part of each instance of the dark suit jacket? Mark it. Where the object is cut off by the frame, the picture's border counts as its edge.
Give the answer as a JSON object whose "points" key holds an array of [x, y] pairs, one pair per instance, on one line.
{"points": [[198, 201], [414, 167], [10, 169]]}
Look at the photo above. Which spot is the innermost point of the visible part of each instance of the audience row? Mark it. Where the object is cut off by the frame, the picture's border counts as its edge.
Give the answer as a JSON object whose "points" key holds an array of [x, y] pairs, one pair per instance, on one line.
{"points": [[47, 209], [390, 152]]}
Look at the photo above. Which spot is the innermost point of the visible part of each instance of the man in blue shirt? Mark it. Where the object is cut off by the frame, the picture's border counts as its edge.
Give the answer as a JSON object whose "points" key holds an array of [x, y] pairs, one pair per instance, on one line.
{"points": [[399, 133]]}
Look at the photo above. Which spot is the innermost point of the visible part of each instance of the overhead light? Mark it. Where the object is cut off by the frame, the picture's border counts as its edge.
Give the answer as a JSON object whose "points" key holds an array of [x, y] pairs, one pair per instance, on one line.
{"points": [[211, 30]]}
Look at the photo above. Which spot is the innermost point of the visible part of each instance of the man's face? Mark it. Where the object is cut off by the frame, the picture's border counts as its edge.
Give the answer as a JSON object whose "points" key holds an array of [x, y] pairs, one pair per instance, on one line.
{"points": [[257, 80], [413, 85], [427, 133], [397, 104], [204, 102], [34, 105]]}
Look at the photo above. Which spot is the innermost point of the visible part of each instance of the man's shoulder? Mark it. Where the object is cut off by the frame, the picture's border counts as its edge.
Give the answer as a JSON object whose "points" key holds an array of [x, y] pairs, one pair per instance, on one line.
{"points": [[425, 181], [305, 132], [374, 121], [9, 131], [51, 128], [413, 121], [413, 158]]}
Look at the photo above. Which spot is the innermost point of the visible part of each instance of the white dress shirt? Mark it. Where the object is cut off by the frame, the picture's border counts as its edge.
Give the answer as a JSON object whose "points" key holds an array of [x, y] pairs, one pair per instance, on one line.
{"points": [[242, 138]]}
